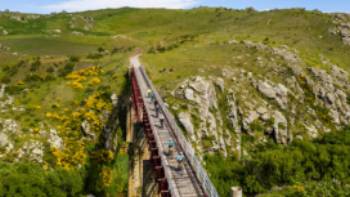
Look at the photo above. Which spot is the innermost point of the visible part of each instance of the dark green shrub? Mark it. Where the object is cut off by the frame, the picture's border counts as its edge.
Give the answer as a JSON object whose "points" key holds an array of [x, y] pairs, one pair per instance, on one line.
{"points": [[27, 179], [68, 68]]}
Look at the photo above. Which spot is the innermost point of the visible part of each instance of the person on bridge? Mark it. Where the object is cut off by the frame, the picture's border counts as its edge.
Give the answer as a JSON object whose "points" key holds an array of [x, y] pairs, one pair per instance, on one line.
{"points": [[149, 93], [156, 107], [161, 121], [170, 145], [179, 158]]}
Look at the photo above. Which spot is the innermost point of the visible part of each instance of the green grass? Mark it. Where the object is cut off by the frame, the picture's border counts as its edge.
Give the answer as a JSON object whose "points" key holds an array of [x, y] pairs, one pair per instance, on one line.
{"points": [[176, 45], [42, 45]]}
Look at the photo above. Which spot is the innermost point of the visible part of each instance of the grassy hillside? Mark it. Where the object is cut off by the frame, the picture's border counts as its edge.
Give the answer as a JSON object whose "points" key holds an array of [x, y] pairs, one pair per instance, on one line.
{"points": [[61, 70]]}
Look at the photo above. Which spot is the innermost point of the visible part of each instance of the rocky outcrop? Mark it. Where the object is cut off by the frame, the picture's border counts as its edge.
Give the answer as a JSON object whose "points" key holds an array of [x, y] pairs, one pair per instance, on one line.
{"points": [[114, 99], [278, 92], [202, 95], [186, 122], [9, 126], [18, 18], [342, 22], [219, 82], [6, 145], [280, 128], [327, 93], [85, 23], [32, 150], [77, 33], [86, 129], [55, 140], [289, 100], [3, 31], [234, 120]]}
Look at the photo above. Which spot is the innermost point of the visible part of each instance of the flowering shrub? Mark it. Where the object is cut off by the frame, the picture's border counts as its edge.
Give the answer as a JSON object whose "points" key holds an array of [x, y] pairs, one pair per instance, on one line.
{"points": [[77, 78]]}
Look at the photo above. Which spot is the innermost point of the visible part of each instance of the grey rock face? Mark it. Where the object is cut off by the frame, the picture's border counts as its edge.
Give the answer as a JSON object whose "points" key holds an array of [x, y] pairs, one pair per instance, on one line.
{"points": [[291, 58], [9, 126], [220, 83], [86, 129], [185, 120], [32, 150], [5, 144], [18, 18], [3, 140], [233, 112], [333, 98], [77, 33], [189, 94], [55, 140], [283, 104], [280, 128], [342, 22], [339, 73], [278, 92], [4, 32], [114, 99], [83, 22], [267, 89], [202, 93]]}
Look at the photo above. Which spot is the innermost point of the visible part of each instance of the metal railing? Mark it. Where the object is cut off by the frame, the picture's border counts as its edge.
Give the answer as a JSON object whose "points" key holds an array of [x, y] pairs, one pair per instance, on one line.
{"points": [[171, 184], [189, 152]]}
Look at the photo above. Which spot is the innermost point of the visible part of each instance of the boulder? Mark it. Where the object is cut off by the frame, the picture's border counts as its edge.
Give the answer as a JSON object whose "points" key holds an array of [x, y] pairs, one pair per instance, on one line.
{"points": [[233, 112], [185, 120], [55, 140], [278, 92], [261, 110], [189, 94], [114, 99], [311, 130], [86, 129], [3, 140], [9, 126], [77, 33], [267, 90], [31, 150], [57, 31], [4, 32], [5, 143], [219, 82], [339, 73], [280, 128]]}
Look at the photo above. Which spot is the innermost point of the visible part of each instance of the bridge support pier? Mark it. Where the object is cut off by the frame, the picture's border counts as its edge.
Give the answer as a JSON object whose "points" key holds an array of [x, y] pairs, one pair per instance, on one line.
{"points": [[236, 192], [142, 177]]}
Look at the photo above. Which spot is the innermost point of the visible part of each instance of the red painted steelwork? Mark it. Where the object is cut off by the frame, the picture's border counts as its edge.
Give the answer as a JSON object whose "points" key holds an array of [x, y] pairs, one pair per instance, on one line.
{"points": [[136, 97], [142, 116]]}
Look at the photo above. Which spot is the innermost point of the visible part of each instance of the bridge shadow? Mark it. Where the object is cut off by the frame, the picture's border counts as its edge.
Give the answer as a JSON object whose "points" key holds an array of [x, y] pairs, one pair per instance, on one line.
{"points": [[107, 142]]}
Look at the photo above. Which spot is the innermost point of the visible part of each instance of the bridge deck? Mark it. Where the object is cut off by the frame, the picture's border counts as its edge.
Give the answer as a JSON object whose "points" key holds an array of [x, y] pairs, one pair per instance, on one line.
{"points": [[183, 181]]}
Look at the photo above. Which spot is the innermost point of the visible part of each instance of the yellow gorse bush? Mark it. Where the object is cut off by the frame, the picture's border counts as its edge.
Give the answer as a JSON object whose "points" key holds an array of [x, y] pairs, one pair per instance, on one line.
{"points": [[95, 81], [106, 176], [69, 121], [77, 78], [65, 158], [76, 85], [54, 115]]}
